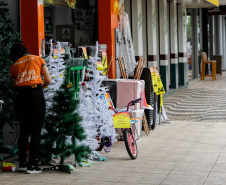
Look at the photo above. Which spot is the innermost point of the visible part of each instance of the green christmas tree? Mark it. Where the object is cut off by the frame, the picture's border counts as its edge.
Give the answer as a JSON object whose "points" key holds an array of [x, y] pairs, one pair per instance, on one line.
{"points": [[62, 129], [8, 36]]}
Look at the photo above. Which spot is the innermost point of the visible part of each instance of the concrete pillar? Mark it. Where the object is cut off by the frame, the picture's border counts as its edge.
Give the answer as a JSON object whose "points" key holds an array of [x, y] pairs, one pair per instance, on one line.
{"points": [[224, 43], [218, 35], [194, 23], [151, 30], [173, 45], [137, 28], [214, 34], [210, 54], [127, 6], [108, 21], [14, 11], [182, 55], [32, 25], [144, 29], [163, 36]]}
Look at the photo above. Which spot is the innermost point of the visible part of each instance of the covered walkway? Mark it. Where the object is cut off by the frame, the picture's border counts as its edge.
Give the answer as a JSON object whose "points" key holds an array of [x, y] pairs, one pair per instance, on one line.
{"points": [[189, 151]]}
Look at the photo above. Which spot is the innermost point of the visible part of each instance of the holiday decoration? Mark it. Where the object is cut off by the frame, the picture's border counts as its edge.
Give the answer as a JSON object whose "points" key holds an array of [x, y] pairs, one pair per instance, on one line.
{"points": [[62, 128], [94, 109], [56, 67], [63, 3], [8, 36]]}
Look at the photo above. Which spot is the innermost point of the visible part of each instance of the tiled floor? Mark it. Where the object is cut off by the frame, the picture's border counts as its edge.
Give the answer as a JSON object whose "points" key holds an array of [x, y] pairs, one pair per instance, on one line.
{"points": [[180, 153]]}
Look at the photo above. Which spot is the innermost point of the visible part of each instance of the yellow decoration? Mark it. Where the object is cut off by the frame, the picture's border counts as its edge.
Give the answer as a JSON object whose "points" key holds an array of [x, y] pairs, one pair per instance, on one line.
{"points": [[71, 3], [104, 62], [85, 52], [121, 120], [69, 85], [116, 7]]}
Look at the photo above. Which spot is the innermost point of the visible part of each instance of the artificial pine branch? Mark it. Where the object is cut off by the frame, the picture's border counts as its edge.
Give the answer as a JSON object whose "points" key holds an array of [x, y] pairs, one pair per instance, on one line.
{"points": [[8, 36], [62, 128]]}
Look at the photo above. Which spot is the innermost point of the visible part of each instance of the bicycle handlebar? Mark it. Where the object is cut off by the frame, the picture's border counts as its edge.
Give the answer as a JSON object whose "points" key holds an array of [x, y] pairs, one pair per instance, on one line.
{"points": [[133, 102]]}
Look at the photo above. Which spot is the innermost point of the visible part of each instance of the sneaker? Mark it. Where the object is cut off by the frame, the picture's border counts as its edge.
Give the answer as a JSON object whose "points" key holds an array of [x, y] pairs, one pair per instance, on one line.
{"points": [[22, 167], [34, 169]]}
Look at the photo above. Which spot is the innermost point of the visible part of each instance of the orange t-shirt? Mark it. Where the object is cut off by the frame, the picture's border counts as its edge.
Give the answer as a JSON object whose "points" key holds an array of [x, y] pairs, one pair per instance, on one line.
{"points": [[27, 70]]}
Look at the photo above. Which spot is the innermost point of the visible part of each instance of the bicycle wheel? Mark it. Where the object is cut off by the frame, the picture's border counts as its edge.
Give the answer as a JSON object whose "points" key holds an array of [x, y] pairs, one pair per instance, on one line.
{"points": [[130, 144], [100, 145]]}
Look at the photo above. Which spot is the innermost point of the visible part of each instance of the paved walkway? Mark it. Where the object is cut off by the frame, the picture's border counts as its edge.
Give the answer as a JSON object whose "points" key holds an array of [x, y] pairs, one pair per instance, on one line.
{"points": [[190, 151]]}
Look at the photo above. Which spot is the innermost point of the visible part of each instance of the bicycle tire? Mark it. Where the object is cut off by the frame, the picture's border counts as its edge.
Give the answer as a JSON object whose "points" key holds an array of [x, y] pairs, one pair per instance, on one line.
{"points": [[99, 148], [100, 145], [131, 146]]}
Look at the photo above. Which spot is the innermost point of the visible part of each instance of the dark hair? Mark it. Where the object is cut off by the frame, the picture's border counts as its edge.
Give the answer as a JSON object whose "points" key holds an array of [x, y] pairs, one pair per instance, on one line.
{"points": [[17, 51]]}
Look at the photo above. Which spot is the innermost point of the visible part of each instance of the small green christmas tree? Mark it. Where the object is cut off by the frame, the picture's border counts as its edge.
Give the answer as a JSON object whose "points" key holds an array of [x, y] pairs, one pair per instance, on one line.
{"points": [[62, 129], [8, 36]]}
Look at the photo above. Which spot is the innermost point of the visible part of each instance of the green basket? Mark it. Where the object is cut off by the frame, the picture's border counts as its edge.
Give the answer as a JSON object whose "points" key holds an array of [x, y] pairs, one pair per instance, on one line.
{"points": [[76, 62], [74, 71]]}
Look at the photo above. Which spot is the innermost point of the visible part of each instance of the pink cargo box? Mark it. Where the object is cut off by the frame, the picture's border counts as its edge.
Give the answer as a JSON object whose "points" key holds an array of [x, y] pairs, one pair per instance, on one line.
{"points": [[128, 90], [137, 127]]}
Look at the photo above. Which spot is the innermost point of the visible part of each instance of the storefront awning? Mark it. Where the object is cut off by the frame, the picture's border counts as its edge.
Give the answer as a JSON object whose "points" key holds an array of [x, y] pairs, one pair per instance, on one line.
{"points": [[62, 3], [200, 3], [214, 2]]}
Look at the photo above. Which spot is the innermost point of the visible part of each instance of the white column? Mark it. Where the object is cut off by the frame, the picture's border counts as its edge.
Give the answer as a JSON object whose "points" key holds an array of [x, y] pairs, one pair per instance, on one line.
{"points": [[224, 44], [151, 30], [182, 31], [144, 29], [219, 34], [127, 9], [164, 58], [137, 28], [173, 45], [194, 24], [210, 54]]}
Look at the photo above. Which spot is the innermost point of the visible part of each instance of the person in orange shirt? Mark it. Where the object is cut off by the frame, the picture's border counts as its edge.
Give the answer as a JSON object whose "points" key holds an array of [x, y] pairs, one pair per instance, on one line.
{"points": [[29, 102]]}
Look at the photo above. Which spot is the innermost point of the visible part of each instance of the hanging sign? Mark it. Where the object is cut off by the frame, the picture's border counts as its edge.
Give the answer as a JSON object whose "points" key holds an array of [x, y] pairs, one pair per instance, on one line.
{"points": [[66, 33], [85, 52], [214, 2], [154, 79], [157, 82], [121, 120], [161, 89], [104, 61]]}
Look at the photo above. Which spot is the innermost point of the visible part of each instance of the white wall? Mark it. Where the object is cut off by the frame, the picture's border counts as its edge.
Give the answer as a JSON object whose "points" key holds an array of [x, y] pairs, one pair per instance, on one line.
{"points": [[62, 16], [13, 6]]}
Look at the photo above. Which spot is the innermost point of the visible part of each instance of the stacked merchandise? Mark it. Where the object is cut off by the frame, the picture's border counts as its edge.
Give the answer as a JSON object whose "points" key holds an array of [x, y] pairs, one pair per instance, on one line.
{"points": [[122, 91], [126, 44]]}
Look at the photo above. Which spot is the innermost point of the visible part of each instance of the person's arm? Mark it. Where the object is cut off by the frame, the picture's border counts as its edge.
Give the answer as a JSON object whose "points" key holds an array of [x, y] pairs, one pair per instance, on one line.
{"points": [[46, 75]]}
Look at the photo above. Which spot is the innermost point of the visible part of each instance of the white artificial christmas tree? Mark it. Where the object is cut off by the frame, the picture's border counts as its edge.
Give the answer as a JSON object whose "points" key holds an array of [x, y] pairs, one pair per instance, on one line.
{"points": [[97, 118], [56, 67]]}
